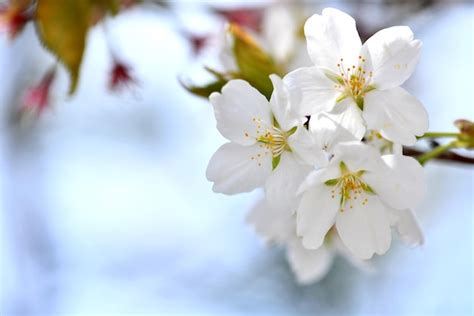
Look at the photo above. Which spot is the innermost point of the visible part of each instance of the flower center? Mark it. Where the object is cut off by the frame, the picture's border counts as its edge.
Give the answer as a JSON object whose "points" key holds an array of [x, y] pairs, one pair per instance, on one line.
{"points": [[353, 81], [275, 140], [272, 139], [349, 187]]}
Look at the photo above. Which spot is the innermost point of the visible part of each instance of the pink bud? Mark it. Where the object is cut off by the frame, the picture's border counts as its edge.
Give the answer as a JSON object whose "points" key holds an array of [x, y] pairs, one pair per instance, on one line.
{"points": [[36, 98], [198, 42], [13, 19], [120, 77], [250, 18]]}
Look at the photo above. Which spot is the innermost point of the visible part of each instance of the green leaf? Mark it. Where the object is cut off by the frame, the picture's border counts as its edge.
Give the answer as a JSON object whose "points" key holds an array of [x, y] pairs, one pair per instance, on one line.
{"points": [[275, 162], [62, 26], [206, 90], [255, 65]]}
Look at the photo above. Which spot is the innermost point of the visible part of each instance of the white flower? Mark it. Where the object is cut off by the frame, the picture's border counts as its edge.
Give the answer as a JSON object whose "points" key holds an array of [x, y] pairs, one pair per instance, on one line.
{"points": [[264, 137], [357, 192], [278, 225], [312, 265], [361, 82]]}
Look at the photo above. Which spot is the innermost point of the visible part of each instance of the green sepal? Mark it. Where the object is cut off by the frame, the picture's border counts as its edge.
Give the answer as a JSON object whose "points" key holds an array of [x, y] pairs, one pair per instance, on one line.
{"points": [[360, 102], [275, 122], [369, 88], [359, 173], [331, 182], [275, 162], [334, 78], [292, 131], [341, 97], [367, 188], [343, 168]]}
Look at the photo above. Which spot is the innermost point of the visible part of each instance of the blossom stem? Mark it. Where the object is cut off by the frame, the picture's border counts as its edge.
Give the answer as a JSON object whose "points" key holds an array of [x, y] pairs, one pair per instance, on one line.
{"points": [[436, 152], [438, 135]]}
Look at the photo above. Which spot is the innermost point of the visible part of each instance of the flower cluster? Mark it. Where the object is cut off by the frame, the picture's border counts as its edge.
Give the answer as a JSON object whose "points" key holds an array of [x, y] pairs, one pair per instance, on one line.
{"points": [[326, 147]]}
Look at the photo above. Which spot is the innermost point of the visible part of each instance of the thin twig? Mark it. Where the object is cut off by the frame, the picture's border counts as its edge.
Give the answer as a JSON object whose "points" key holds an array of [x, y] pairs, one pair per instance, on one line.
{"points": [[447, 156]]}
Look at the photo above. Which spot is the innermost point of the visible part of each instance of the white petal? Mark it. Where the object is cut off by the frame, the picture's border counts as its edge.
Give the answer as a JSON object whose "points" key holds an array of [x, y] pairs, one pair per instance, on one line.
{"points": [[393, 54], [316, 90], [235, 168], [275, 224], [341, 249], [306, 149], [328, 132], [330, 37], [408, 228], [365, 229], [358, 156], [279, 27], [309, 265], [316, 215], [317, 177], [282, 102], [348, 114], [284, 181], [403, 186], [224, 46], [396, 114], [240, 109]]}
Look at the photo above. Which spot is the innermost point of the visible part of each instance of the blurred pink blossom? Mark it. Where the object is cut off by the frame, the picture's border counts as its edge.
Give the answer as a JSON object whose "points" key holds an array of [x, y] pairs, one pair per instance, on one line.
{"points": [[250, 18], [13, 18], [36, 98], [120, 76]]}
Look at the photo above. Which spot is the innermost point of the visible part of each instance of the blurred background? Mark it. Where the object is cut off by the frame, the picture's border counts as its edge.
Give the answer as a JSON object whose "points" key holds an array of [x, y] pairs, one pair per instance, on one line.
{"points": [[105, 208]]}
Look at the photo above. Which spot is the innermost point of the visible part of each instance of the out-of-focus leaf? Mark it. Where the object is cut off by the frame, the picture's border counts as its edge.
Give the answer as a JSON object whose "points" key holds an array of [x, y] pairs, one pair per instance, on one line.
{"points": [[214, 86], [255, 65], [206, 90], [62, 26], [100, 8]]}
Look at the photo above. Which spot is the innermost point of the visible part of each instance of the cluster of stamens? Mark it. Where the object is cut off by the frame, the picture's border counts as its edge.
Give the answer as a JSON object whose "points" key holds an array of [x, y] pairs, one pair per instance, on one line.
{"points": [[272, 140], [350, 188], [275, 140], [353, 80]]}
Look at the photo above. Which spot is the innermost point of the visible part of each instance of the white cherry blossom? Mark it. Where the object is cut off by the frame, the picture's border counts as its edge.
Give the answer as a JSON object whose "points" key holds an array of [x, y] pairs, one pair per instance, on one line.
{"points": [[358, 192], [277, 225], [361, 82], [268, 142]]}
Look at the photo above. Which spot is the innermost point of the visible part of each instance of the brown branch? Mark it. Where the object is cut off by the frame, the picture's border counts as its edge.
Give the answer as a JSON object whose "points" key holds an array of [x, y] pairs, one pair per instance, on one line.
{"points": [[448, 156]]}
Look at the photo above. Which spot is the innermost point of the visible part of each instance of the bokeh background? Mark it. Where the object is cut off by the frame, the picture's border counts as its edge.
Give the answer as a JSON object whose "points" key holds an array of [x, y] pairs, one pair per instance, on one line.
{"points": [[105, 208]]}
